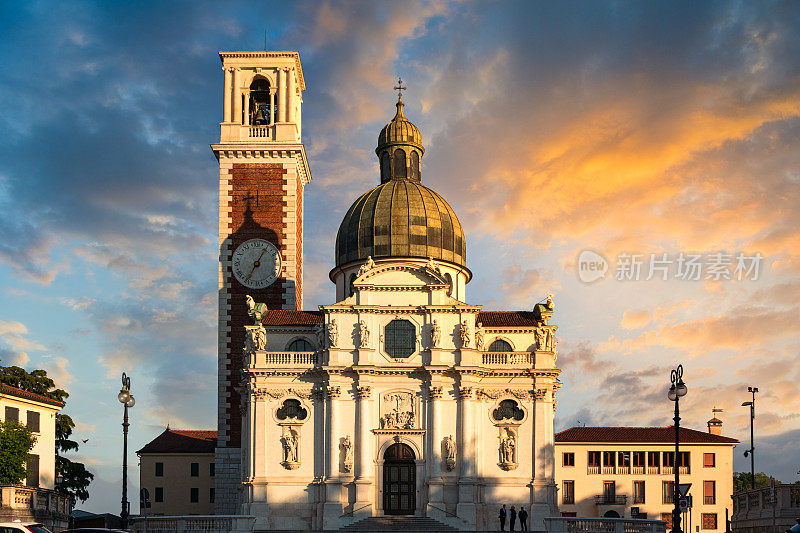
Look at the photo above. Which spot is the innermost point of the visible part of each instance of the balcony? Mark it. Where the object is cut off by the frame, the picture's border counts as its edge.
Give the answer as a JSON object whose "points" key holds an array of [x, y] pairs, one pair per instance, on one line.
{"points": [[623, 470], [666, 470], [283, 359], [509, 359], [709, 500], [608, 469], [611, 499], [683, 469], [652, 470], [637, 470], [593, 469]]}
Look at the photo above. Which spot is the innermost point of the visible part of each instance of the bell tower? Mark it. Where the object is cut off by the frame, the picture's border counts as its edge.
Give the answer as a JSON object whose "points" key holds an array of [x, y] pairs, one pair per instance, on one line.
{"points": [[262, 171]]}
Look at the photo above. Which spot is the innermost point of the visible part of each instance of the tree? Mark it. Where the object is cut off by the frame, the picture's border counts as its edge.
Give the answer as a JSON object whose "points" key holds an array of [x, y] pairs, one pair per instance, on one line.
{"points": [[16, 441], [741, 480], [73, 476]]}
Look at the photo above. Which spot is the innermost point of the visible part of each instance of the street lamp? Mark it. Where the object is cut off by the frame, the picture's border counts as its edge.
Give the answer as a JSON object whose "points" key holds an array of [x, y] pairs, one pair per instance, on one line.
{"points": [[677, 390], [125, 398], [753, 391]]}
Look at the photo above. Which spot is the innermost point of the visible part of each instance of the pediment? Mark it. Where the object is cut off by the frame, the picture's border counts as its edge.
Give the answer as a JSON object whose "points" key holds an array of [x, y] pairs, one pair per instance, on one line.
{"points": [[401, 275]]}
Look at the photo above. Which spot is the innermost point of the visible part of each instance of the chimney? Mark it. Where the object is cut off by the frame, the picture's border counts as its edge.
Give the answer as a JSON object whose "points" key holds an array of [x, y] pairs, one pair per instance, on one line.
{"points": [[715, 424]]}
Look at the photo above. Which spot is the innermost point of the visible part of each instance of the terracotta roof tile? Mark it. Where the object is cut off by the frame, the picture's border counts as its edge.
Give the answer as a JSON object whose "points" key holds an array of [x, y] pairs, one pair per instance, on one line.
{"points": [[182, 441], [282, 317], [639, 434], [19, 393], [494, 319]]}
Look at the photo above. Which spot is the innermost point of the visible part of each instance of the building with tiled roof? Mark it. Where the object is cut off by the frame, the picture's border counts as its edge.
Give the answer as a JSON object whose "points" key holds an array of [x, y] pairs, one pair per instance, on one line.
{"points": [[629, 472], [178, 470], [38, 413]]}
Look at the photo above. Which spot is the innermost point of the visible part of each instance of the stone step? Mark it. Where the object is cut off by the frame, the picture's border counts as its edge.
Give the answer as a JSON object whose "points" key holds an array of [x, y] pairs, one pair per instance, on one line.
{"points": [[398, 523]]}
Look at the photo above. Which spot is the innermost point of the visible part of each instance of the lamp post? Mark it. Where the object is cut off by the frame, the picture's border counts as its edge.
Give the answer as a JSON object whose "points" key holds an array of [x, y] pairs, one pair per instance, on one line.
{"points": [[677, 390], [125, 398], [753, 391]]}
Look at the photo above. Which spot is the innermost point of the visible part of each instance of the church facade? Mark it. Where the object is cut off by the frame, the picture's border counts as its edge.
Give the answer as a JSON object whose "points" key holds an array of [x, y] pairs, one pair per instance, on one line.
{"points": [[398, 397]]}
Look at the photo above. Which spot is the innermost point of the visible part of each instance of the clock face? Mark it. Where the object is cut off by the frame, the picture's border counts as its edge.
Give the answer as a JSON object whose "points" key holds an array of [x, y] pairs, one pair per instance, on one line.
{"points": [[256, 263]]}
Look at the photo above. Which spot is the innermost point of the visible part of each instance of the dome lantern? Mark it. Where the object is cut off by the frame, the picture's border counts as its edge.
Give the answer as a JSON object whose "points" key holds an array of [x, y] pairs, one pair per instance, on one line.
{"points": [[400, 145]]}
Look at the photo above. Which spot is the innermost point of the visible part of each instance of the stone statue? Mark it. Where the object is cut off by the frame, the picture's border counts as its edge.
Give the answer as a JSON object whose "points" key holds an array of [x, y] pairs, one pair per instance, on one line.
{"points": [[333, 334], [508, 446], [479, 337], [363, 334], [290, 447], [432, 266], [366, 267], [449, 452], [255, 339], [550, 304], [541, 338], [255, 310], [436, 334], [319, 330], [347, 449], [464, 332]]}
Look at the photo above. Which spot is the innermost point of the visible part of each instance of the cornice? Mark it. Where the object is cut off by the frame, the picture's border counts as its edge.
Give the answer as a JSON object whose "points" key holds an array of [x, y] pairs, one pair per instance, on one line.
{"points": [[289, 54], [252, 149]]}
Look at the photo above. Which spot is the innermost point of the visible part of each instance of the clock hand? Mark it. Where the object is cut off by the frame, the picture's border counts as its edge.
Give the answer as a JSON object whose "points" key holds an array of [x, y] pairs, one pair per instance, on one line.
{"points": [[256, 263]]}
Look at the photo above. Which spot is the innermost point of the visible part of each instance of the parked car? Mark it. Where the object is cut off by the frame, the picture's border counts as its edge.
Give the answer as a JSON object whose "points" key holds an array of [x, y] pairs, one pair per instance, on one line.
{"points": [[92, 530], [24, 527]]}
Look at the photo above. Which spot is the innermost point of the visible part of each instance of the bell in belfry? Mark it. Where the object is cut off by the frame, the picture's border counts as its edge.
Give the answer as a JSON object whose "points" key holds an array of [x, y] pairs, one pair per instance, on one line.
{"points": [[261, 118]]}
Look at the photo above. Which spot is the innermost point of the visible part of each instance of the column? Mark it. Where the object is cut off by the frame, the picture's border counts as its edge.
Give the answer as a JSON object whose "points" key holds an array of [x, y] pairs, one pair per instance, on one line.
{"points": [[226, 96], [237, 97], [247, 107], [281, 95], [272, 106], [543, 501], [290, 96], [466, 509], [332, 508], [364, 452], [435, 484]]}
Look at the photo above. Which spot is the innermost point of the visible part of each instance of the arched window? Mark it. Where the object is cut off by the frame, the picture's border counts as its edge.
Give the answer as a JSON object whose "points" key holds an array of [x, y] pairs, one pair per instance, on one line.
{"points": [[291, 408], [351, 290], [386, 171], [260, 112], [508, 410], [415, 165], [400, 339], [449, 279], [300, 345], [499, 345], [399, 164]]}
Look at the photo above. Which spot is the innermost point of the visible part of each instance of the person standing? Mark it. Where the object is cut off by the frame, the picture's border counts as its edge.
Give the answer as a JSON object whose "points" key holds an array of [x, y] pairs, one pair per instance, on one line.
{"points": [[503, 518], [513, 514], [523, 519]]}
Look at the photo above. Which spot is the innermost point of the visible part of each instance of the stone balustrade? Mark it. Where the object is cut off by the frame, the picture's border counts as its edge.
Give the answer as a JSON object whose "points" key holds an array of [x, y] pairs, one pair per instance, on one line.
{"points": [[193, 523], [284, 359], [603, 525], [33, 504], [513, 359], [753, 509]]}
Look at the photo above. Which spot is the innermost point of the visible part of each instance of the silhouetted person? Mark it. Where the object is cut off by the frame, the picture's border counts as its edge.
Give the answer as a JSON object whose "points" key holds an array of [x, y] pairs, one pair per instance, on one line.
{"points": [[503, 518], [513, 514], [523, 519]]}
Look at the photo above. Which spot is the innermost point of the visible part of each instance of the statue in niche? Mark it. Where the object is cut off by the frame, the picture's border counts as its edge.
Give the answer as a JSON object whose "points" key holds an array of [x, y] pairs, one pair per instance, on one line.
{"points": [[255, 339], [436, 334], [333, 334], [319, 330], [255, 310], [290, 442], [363, 334], [398, 411], [366, 267], [449, 453], [347, 451], [479, 337], [508, 446], [464, 333]]}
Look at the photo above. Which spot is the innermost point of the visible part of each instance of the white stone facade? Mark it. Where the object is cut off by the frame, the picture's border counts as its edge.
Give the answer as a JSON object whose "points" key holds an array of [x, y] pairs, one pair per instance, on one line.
{"points": [[319, 423]]}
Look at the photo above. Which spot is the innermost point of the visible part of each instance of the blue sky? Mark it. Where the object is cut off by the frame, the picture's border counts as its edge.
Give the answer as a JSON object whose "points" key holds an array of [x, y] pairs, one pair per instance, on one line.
{"points": [[551, 128]]}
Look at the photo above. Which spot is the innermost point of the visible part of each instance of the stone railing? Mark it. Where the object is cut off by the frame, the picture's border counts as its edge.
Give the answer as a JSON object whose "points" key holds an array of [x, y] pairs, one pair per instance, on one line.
{"points": [[507, 358], [290, 359], [603, 525], [194, 523], [32, 504], [259, 131]]}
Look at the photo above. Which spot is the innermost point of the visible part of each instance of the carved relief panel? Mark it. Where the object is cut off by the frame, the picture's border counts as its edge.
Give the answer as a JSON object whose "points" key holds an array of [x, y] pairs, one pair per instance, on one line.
{"points": [[399, 410]]}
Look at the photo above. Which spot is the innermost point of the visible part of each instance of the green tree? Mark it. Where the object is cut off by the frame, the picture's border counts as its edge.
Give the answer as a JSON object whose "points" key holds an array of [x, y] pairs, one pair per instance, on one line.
{"points": [[73, 476], [16, 441], [741, 480]]}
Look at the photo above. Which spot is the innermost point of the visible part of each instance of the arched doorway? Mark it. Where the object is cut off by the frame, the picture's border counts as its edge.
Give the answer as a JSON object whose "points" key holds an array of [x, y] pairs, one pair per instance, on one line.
{"points": [[611, 514], [399, 480]]}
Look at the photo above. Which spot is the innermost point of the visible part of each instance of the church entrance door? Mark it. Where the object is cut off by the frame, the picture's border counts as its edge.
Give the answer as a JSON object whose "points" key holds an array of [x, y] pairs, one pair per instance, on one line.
{"points": [[399, 480]]}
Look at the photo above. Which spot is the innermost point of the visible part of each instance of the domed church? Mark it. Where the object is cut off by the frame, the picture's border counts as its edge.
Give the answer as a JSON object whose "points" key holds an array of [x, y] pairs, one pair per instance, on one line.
{"points": [[397, 399]]}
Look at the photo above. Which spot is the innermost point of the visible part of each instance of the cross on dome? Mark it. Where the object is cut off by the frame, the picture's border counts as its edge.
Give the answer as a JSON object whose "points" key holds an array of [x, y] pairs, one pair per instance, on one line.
{"points": [[400, 88]]}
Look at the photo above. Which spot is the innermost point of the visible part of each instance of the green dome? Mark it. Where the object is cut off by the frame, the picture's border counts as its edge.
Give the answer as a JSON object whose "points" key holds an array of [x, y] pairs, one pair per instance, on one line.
{"points": [[400, 218]]}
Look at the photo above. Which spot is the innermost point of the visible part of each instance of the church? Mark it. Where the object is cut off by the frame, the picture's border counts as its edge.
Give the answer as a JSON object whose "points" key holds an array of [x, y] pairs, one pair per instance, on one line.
{"points": [[396, 398]]}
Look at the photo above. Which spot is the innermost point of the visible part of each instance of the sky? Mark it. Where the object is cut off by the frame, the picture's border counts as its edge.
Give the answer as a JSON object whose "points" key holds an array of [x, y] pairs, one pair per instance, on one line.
{"points": [[656, 142]]}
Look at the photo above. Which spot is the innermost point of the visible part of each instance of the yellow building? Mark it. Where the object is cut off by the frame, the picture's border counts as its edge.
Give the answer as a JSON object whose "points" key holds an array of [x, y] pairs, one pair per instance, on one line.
{"points": [[177, 469], [38, 413], [627, 471]]}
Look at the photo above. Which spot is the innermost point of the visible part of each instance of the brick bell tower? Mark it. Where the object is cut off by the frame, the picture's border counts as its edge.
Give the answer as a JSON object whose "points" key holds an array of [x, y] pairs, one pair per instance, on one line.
{"points": [[262, 171]]}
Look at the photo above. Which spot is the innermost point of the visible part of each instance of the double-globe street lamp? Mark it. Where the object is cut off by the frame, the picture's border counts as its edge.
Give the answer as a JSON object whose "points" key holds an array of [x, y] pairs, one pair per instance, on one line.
{"points": [[676, 391], [753, 391], [125, 398]]}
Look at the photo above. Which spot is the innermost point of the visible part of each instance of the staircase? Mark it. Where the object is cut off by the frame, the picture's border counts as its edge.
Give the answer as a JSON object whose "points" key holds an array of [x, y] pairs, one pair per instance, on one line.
{"points": [[399, 523]]}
